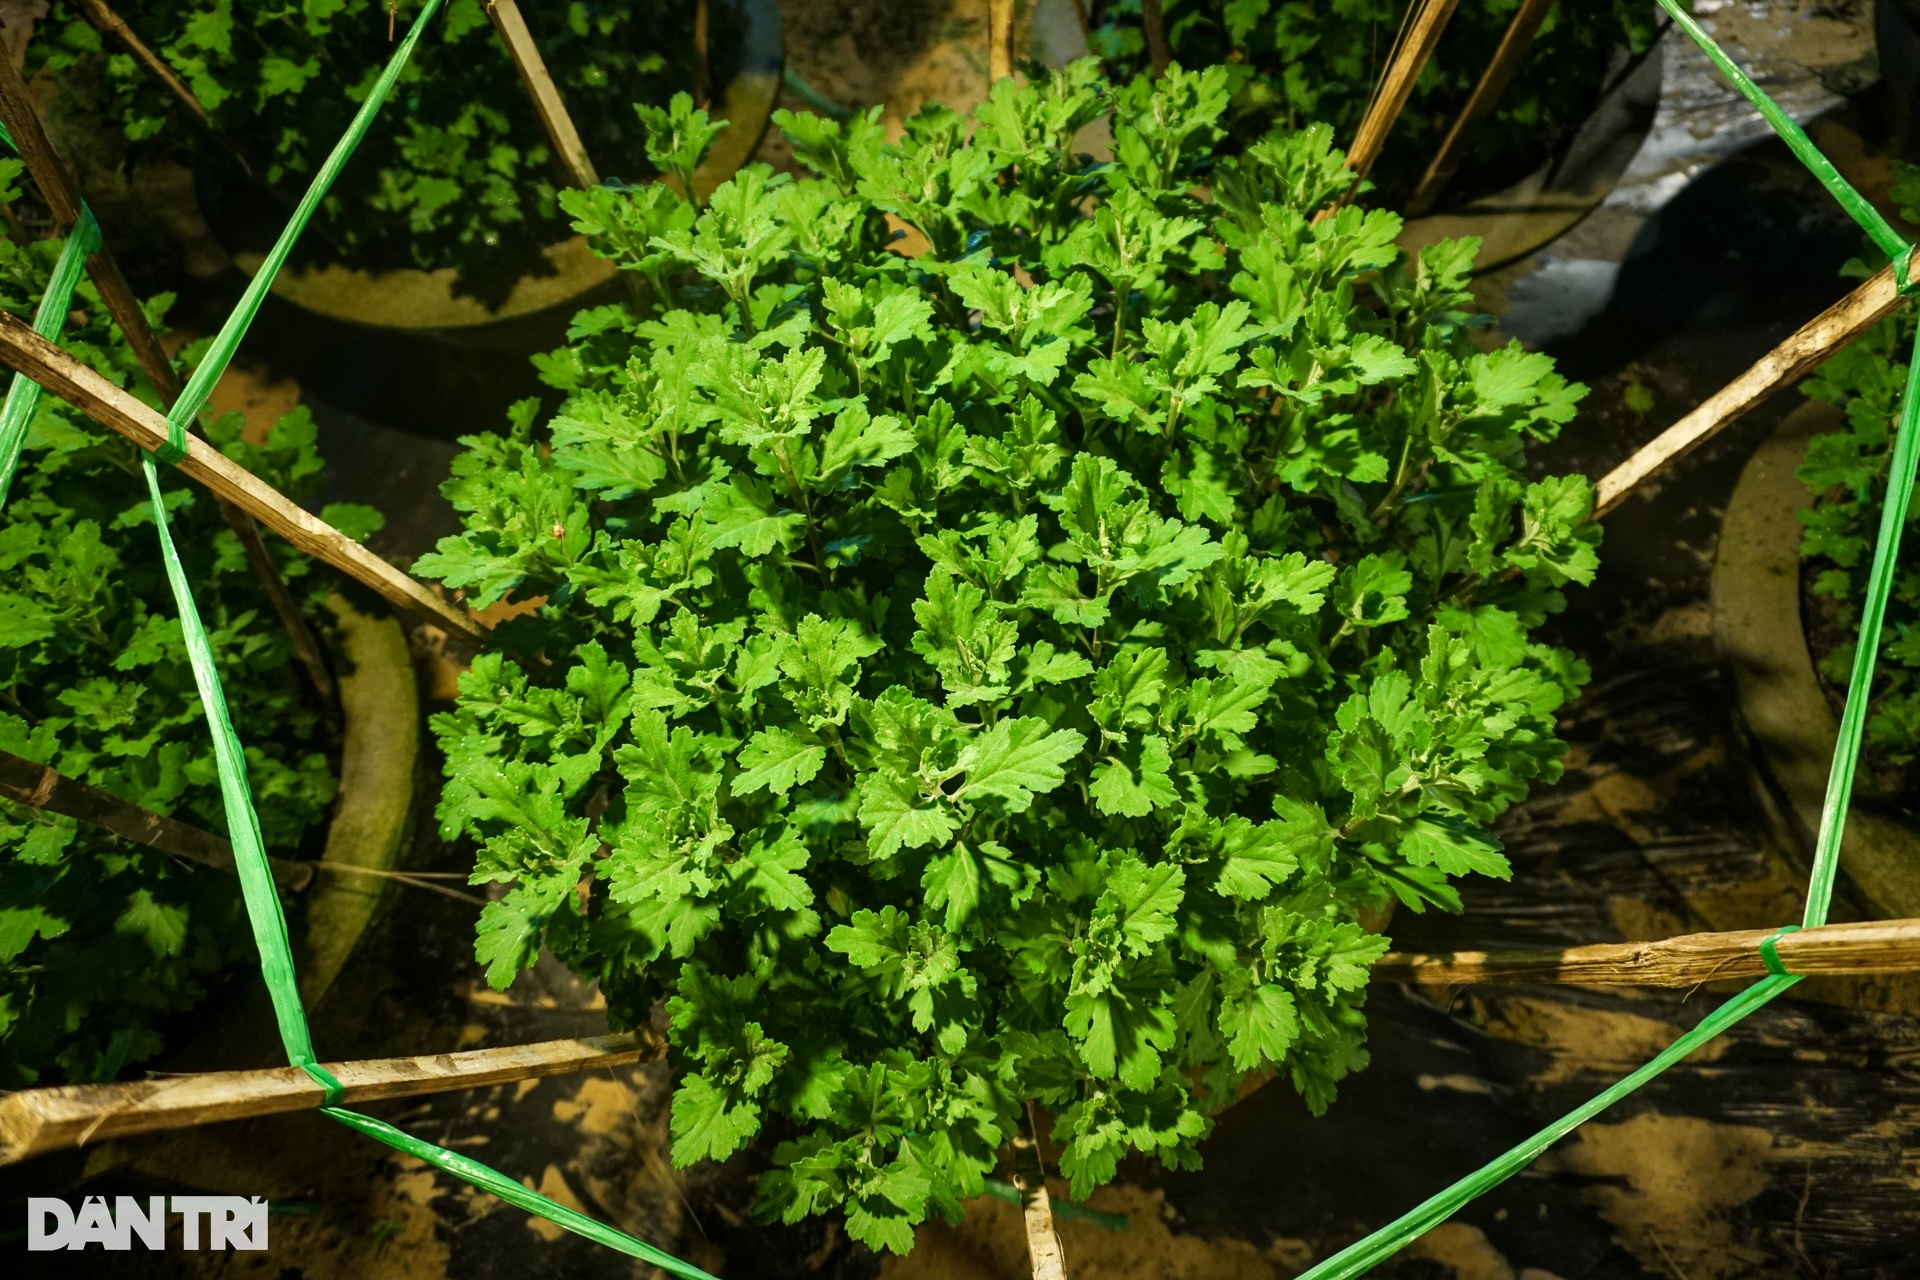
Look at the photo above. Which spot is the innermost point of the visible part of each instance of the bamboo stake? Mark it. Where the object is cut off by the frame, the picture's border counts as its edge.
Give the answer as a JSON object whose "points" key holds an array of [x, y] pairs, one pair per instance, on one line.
{"points": [[1410, 57], [1872, 946], [999, 41], [547, 103], [1080, 16], [1792, 360], [107, 22], [39, 787], [118, 411], [1153, 25], [1480, 104], [62, 194], [702, 22], [1036, 1206], [39, 1120]]}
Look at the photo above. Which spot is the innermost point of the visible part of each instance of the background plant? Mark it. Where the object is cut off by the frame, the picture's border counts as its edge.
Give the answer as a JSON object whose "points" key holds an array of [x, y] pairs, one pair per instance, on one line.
{"points": [[1005, 673], [101, 940], [1298, 61], [458, 171], [1846, 472]]}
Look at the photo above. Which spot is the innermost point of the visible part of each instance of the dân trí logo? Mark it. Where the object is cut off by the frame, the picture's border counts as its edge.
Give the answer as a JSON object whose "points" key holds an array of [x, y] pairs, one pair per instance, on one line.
{"points": [[230, 1222]]}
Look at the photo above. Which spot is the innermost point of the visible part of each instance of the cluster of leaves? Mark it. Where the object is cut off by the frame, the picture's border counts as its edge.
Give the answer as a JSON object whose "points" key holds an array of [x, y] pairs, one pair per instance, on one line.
{"points": [[457, 171], [100, 939], [1846, 471], [1319, 60], [1004, 673]]}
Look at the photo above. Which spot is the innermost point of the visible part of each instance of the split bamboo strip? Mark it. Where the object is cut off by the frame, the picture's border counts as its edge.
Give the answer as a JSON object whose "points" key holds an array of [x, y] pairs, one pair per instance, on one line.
{"points": [[547, 103], [60, 191], [999, 41], [34, 1121], [1480, 104], [1153, 25], [1044, 1255], [702, 30], [110, 406], [1872, 946], [1410, 57], [109, 23], [39, 787], [1792, 360]]}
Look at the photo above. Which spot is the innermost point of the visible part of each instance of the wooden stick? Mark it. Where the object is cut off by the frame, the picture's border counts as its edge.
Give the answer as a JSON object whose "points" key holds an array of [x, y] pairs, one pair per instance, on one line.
{"points": [[1153, 25], [1792, 360], [702, 42], [1872, 946], [118, 411], [60, 191], [39, 1120], [547, 102], [1036, 1206], [1410, 57], [1086, 23], [999, 41], [107, 22], [39, 787], [1480, 104]]}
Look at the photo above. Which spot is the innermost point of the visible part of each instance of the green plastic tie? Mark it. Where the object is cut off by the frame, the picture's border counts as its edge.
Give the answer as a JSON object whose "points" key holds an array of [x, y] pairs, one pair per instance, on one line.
{"points": [[1878, 229], [327, 1082], [23, 396], [200, 386], [1873, 613], [243, 823], [276, 955], [1770, 955], [490, 1180]]}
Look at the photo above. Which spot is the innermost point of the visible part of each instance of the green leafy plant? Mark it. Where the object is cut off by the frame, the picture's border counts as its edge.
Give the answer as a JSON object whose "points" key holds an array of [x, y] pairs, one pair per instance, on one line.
{"points": [[1846, 472], [102, 940], [457, 172], [1004, 675], [1297, 61]]}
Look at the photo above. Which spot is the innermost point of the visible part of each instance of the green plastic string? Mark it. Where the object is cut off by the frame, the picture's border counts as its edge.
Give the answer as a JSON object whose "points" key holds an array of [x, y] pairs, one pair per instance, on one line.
{"points": [[1770, 950], [1857, 206], [276, 955], [1371, 1251], [1364, 1255], [492, 1180], [23, 397], [200, 386], [1866, 652], [243, 823], [330, 1086]]}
